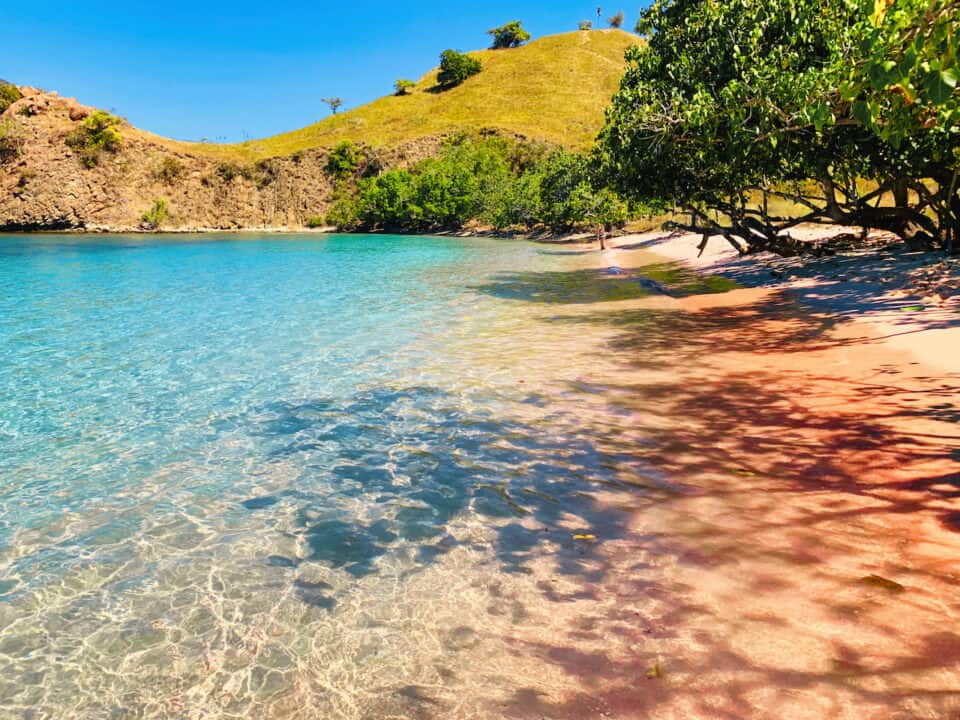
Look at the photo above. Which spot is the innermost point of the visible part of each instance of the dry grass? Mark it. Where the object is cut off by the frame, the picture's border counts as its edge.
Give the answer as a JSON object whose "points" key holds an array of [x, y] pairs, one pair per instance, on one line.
{"points": [[553, 89]]}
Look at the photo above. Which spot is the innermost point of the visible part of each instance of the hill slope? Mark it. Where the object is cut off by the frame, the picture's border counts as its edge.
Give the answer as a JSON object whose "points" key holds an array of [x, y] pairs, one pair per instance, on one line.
{"points": [[554, 89]]}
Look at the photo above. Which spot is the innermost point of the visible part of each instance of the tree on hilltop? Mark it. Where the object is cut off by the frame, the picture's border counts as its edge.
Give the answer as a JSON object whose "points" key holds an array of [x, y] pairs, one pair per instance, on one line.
{"points": [[508, 36], [455, 67], [616, 21], [403, 86], [335, 103]]}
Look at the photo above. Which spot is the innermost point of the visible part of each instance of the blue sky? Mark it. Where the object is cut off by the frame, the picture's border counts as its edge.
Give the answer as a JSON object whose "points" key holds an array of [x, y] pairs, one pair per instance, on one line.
{"points": [[228, 71]]}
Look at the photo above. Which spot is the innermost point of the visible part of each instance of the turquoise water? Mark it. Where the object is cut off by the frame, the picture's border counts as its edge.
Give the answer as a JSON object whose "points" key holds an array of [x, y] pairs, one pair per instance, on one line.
{"points": [[275, 476]]}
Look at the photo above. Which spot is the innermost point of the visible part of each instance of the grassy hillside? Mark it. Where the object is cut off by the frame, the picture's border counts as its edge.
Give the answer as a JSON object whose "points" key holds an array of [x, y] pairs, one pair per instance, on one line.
{"points": [[555, 89]]}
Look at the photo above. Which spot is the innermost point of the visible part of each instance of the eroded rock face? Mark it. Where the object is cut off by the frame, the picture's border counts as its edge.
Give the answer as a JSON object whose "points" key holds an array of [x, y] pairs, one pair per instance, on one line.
{"points": [[48, 188]]}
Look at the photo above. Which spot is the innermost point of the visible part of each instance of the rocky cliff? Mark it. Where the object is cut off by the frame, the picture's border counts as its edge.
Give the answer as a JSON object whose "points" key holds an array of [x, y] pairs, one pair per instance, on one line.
{"points": [[46, 185]]}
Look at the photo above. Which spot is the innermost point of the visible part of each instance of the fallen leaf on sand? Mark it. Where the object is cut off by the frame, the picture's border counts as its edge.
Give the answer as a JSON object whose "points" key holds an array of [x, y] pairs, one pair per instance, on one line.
{"points": [[883, 583]]}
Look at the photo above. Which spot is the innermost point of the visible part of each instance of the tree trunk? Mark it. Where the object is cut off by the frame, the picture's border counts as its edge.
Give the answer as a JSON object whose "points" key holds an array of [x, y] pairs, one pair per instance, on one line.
{"points": [[833, 210]]}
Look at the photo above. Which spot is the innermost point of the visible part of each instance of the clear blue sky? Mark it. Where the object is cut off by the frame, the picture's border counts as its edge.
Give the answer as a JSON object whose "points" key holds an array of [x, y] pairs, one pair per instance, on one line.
{"points": [[233, 70]]}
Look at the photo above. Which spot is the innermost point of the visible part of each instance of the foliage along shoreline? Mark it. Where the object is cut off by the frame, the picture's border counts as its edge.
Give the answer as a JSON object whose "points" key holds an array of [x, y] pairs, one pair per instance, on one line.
{"points": [[507, 184], [799, 101]]}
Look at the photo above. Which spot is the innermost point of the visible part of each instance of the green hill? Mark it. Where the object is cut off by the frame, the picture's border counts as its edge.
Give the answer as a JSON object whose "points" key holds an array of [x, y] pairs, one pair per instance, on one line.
{"points": [[555, 88]]}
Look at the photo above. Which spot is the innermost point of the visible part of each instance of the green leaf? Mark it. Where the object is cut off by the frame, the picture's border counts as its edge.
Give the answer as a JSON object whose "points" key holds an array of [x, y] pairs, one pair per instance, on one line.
{"points": [[909, 62], [820, 115], [879, 12], [937, 88], [861, 111], [849, 90], [949, 76]]}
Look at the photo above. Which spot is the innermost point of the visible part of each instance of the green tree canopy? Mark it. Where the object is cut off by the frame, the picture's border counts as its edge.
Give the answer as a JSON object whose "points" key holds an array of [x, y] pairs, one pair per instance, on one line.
{"points": [[335, 103], [508, 36], [455, 67], [747, 98], [404, 86]]}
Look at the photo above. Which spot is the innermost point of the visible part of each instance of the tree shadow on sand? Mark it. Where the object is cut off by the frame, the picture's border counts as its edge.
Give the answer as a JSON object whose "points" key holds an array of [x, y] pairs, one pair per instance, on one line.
{"points": [[395, 466], [806, 483]]}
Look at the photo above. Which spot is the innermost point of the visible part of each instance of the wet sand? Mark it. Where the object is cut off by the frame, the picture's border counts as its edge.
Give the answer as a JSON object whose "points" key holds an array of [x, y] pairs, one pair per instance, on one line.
{"points": [[800, 553]]}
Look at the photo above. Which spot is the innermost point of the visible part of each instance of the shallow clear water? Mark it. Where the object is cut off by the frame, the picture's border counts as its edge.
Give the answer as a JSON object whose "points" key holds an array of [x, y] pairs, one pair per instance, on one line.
{"points": [[260, 477]]}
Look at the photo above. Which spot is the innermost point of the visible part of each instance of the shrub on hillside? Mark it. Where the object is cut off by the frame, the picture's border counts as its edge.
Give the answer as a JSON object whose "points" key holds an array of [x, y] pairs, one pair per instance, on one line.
{"points": [[616, 21], [455, 67], [585, 25], [349, 161], [264, 173], [508, 36], [344, 160], [97, 134], [227, 171], [12, 139], [9, 94], [168, 171], [153, 218], [404, 87]]}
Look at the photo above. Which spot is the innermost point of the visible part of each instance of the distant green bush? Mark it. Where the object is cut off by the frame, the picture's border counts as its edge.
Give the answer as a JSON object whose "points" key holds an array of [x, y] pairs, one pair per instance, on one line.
{"points": [[404, 87], [12, 139], [344, 212], [344, 160], [168, 171], [9, 94], [153, 218], [227, 171], [508, 36], [585, 25], [315, 221], [97, 134], [350, 161], [455, 67], [262, 173], [265, 172], [501, 182]]}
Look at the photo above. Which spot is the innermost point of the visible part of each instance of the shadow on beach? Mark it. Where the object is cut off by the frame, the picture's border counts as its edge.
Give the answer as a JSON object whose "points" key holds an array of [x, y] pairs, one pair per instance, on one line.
{"points": [[810, 560]]}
